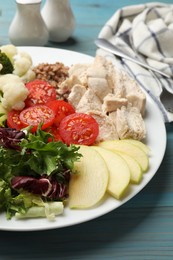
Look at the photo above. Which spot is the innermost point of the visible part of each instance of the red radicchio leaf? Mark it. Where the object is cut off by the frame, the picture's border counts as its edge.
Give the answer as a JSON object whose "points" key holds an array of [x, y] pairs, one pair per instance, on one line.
{"points": [[36, 186], [46, 187], [10, 138]]}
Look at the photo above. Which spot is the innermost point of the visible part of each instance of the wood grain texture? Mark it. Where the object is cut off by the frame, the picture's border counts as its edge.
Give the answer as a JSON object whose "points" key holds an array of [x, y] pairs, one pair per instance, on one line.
{"points": [[142, 229]]}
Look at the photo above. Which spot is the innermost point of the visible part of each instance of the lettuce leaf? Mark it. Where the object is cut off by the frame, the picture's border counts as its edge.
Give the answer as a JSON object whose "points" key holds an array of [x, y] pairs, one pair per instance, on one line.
{"points": [[48, 210], [37, 157], [34, 157], [47, 157], [12, 202]]}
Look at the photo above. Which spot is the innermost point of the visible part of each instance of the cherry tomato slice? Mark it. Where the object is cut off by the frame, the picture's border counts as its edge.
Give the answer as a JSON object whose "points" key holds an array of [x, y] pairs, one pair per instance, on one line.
{"points": [[61, 109], [13, 120], [33, 116], [40, 92], [54, 131], [79, 128]]}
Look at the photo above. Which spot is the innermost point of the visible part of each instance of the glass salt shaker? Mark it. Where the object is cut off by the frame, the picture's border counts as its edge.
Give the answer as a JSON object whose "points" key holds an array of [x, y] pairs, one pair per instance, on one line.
{"points": [[59, 19], [28, 27]]}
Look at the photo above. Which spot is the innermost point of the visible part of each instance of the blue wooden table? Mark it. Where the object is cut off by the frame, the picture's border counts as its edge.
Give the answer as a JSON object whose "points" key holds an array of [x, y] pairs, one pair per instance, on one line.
{"points": [[140, 229]]}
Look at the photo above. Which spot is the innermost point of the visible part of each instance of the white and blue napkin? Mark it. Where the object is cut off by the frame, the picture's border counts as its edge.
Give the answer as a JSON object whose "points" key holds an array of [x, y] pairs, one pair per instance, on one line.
{"points": [[146, 32]]}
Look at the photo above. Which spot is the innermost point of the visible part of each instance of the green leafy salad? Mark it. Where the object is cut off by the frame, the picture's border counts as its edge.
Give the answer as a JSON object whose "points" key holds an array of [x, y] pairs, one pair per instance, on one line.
{"points": [[34, 173]]}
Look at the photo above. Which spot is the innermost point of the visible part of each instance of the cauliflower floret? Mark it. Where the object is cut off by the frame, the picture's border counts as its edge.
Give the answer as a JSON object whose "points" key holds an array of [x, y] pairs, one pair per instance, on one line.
{"points": [[22, 62], [25, 55], [23, 66], [14, 92], [28, 76], [10, 50]]}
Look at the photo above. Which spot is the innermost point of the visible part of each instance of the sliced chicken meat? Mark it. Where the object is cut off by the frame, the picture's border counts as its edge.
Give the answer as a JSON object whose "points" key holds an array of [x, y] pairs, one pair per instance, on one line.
{"points": [[99, 86], [80, 71], [112, 103], [88, 102], [107, 129], [76, 94], [129, 123], [134, 94], [110, 95]]}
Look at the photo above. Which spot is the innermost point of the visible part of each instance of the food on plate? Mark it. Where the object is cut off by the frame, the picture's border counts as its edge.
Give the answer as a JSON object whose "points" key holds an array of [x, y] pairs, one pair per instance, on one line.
{"points": [[119, 174], [21, 61], [13, 92], [109, 95], [79, 128], [33, 171], [12, 82], [87, 188], [122, 170], [12, 95], [136, 172], [10, 50], [31, 116], [50, 209], [61, 109], [129, 123], [53, 73], [67, 133], [141, 145], [13, 120], [6, 65], [40, 92], [55, 136], [35, 115], [130, 149]]}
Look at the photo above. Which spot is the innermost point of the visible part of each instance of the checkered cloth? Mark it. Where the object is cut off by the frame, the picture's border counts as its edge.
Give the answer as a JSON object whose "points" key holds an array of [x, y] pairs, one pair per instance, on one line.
{"points": [[146, 32]]}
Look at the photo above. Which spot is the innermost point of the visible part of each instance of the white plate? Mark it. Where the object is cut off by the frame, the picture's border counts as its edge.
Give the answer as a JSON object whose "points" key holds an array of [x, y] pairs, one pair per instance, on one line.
{"points": [[156, 140]]}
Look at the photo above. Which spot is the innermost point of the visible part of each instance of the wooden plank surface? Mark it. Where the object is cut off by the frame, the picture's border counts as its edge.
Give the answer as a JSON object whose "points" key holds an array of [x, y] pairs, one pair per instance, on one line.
{"points": [[142, 229]]}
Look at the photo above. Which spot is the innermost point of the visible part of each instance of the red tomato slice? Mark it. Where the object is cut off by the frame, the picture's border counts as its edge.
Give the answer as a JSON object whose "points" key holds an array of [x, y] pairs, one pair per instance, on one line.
{"points": [[61, 109], [13, 120], [79, 128], [54, 131], [33, 116], [40, 92]]}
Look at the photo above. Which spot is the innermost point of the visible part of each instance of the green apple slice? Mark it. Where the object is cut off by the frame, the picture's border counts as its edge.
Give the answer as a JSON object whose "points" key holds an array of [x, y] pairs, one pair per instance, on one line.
{"points": [[88, 186], [130, 149], [119, 174], [134, 167], [140, 144]]}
